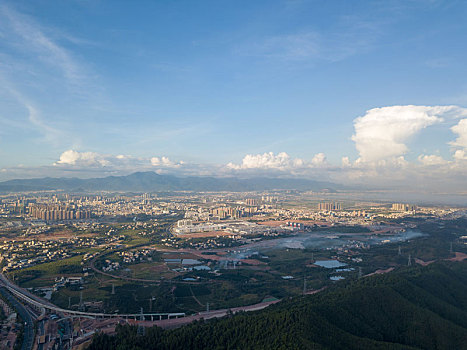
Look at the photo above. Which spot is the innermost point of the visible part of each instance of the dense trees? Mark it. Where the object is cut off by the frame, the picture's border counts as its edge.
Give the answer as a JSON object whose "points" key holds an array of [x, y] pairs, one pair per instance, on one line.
{"points": [[414, 308]]}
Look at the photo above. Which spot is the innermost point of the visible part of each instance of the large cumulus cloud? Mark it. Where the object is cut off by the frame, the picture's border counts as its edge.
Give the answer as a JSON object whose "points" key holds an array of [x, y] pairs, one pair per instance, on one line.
{"points": [[460, 143], [382, 133]]}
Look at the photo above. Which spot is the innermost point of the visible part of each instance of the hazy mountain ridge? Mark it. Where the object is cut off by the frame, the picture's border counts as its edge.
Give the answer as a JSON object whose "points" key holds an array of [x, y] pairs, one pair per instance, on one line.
{"points": [[150, 181]]}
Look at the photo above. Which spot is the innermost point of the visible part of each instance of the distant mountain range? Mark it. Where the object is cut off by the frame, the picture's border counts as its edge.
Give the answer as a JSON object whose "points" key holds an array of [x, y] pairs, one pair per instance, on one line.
{"points": [[152, 182]]}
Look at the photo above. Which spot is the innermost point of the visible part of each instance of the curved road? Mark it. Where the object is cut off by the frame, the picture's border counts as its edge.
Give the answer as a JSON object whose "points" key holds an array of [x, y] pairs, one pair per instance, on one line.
{"points": [[43, 304]]}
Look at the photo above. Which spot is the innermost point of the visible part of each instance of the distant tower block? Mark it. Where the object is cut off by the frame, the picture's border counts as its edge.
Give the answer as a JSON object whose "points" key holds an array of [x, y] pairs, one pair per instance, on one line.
{"points": [[207, 307], [410, 261], [399, 251], [304, 285], [360, 273], [113, 289], [69, 302]]}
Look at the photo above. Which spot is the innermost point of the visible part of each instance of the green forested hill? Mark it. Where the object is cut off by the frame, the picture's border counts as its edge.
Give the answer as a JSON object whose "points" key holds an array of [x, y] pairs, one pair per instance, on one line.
{"points": [[415, 308]]}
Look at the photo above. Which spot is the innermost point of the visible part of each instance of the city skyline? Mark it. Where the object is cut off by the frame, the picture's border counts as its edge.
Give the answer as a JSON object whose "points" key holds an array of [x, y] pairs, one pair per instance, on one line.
{"points": [[361, 93]]}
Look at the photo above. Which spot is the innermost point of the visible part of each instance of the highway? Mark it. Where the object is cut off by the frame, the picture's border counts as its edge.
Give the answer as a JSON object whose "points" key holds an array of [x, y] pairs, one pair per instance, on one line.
{"points": [[28, 325], [40, 303]]}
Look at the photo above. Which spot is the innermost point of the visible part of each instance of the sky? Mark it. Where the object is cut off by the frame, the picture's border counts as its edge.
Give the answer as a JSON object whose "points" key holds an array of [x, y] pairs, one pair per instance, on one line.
{"points": [[355, 92]]}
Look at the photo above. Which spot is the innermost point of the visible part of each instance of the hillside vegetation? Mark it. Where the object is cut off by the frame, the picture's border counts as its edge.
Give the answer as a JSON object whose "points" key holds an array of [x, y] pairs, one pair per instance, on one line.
{"points": [[413, 308]]}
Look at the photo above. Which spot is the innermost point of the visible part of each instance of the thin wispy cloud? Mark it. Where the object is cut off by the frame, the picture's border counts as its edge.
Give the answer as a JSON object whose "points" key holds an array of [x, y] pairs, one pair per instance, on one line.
{"points": [[35, 70], [351, 36], [28, 36], [309, 46], [31, 117]]}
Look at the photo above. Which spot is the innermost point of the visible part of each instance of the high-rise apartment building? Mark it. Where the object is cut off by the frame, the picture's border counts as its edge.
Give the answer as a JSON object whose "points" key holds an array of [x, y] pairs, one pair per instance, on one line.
{"points": [[403, 207], [329, 206]]}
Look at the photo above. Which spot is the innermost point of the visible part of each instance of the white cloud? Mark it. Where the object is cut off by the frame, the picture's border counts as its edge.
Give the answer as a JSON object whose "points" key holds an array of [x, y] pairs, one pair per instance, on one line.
{"points": [[83, 159], [319, 159], [431, 172], [382, 133], [164, 162], [263, 161], [431, 159], [461, 130], [282, 161], [460, 154], [346, 162]]}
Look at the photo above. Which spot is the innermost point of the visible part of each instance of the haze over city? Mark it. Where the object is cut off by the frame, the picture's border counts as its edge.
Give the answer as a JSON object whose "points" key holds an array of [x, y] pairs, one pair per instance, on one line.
{"points": [[354, 92]]}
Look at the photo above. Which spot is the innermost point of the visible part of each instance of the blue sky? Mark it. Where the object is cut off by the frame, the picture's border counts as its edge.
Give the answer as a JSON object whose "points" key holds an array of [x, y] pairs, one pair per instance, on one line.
{"points": [[206, 84]]}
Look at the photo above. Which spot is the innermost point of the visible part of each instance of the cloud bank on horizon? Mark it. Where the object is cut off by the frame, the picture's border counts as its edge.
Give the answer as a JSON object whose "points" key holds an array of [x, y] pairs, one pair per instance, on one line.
{"points": [[381, 137]]}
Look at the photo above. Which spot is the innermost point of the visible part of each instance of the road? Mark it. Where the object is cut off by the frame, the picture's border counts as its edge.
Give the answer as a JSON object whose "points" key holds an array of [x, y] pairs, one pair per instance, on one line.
{"points": [[178, 322], [28, 325], [38, 302]]}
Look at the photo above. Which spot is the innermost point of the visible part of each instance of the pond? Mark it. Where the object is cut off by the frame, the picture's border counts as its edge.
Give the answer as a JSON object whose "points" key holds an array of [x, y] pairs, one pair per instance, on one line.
{"points": [[190, 262], [329, 264], [336, 278]]}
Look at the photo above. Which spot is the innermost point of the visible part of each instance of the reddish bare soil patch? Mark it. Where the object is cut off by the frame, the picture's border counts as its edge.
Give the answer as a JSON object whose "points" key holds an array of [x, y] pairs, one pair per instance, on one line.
{"points": [[458, 257], [380, 271], [181, 255], [424, 263], [252, 262]]}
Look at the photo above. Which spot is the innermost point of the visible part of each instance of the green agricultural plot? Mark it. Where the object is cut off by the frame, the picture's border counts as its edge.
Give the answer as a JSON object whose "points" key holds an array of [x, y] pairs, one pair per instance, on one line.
{"points": [[151, 270], [44, 274]]}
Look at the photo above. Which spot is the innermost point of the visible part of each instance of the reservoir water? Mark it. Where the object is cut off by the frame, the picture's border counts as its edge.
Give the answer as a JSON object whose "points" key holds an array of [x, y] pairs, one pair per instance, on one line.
{"points": [[322, 240], [329, 264]]}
